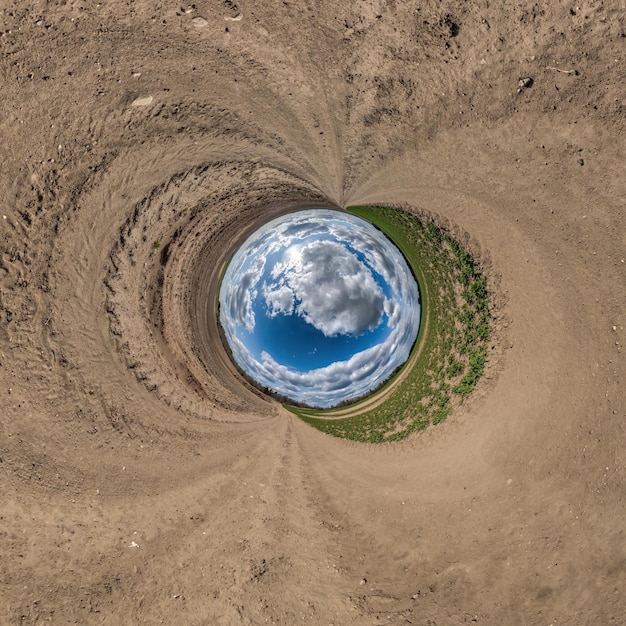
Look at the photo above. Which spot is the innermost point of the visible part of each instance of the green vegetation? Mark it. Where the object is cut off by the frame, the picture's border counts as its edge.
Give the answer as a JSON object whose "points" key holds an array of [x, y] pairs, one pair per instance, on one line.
{"points": [[450, 352]]}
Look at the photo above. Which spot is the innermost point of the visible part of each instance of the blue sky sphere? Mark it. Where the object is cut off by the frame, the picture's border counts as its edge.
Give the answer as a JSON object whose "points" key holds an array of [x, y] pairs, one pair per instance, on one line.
{"points": [[319, 306]]}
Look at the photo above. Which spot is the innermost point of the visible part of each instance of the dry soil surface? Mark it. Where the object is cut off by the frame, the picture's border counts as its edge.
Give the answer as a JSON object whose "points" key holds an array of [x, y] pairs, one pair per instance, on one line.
{"points": [[140, 482]]}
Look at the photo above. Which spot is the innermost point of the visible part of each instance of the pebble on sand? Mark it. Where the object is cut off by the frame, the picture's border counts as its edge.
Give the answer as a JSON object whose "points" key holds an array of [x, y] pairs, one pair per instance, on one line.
{"points": [[142, 102]]}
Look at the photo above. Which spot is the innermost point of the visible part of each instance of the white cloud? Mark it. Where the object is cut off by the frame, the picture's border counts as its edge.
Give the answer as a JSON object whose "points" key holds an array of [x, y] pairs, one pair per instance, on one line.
{"points": [[393, 311], [241, 301], [279, 299], [239, 289], [336, 293]]}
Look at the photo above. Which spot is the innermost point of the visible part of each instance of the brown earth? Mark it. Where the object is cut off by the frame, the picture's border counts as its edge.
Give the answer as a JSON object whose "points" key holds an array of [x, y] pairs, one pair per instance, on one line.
{"points": [[140, 482]]}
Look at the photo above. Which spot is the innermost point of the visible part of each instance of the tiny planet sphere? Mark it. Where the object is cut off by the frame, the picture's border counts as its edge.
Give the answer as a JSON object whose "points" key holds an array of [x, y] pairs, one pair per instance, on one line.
{"points": [[319, 306]]}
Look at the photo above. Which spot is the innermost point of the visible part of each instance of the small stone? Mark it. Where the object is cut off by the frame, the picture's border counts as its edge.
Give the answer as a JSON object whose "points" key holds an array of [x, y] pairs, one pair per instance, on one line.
{"points": [[142, 102], [363, 581], [237, 18], [581, 161], [525, 83], [199, 22]]}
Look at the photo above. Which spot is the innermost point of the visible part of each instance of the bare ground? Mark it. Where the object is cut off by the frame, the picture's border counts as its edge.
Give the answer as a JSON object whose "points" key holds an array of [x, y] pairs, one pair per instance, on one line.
{"points": [[140, 482]]}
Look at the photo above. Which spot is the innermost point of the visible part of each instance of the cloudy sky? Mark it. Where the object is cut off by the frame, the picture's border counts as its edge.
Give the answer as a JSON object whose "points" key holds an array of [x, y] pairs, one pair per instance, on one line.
{"points": [[319, 306]]}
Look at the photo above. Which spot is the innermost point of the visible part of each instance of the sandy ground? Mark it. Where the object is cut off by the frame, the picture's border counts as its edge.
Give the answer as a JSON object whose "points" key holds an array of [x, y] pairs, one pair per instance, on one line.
{"points": [[140, 483]]}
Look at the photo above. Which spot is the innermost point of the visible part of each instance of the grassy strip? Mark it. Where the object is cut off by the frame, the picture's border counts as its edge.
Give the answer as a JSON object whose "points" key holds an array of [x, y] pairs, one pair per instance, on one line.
{"points": [[453, 346]]}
